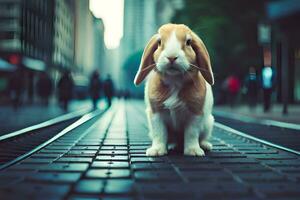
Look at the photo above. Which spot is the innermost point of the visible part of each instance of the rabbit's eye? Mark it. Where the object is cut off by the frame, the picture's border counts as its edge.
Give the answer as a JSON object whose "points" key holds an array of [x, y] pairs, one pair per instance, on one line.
{"points": [[159, 42], [188, 42]]}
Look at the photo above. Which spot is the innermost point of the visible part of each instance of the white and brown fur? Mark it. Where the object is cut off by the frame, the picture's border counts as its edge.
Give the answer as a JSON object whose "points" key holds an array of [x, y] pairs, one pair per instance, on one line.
{"points": [[178, 89]]}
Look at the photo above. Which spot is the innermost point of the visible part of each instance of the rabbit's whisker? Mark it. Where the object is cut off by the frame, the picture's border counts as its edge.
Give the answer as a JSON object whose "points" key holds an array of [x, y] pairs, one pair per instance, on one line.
{"points": [[197, 67], [149, 66], [194, 82]]}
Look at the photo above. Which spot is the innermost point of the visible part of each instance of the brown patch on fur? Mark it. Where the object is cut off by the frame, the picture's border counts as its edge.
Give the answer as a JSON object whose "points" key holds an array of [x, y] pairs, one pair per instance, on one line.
{"points": [[192, 93], [202, 58], [147, 62], [158, 92]]}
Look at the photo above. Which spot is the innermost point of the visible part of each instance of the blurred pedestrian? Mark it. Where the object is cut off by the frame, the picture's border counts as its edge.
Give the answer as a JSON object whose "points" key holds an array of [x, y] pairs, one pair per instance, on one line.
{"points": [[251, 84], [44, 88], [268, 82], [95, 87], [65, 89], [108, 89], [233, 87], [16, 88], [126, 94]]}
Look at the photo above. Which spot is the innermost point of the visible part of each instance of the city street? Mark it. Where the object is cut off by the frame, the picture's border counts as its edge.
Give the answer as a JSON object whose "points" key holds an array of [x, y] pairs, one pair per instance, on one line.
{"points": [[33, 114], [149, 99], [104, 157]]}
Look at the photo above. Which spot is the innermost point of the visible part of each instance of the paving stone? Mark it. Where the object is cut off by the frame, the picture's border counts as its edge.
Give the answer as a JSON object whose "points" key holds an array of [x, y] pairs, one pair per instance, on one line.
{"points": [[112, 158], [279, 190], [247, 168], [114, 147], [111, 164], [28, 166], [255, 151], [108, 147], [83, 197], [82, 152], [11, 178], [85, 144], [79, 155], [54, 177], [45, 155], [292, 162], [189, 159], [97, 144], [115, 152], [140, 148], [261, 177], [146, 159], [137, 151], [155, 175], [151, 166], [64, 148], [74, 160], [39, 160], [215, 155], [159, 190], [195, 176], [52, 151], [89, 186], [124, 143], [118, 186], [239, 161], [72, 167], [117, 196], [198, 167], [272, 156], [36, 190], [108, 173], [85, 148]]}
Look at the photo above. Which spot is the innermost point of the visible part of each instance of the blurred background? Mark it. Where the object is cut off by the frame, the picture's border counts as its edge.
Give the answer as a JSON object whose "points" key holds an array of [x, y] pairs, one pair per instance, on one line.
{"points": [[56, 51]]}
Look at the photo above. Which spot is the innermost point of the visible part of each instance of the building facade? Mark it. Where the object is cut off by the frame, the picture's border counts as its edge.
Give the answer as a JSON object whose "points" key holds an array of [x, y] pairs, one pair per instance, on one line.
{"points": [[89, 43], [84, 39], [36, 36], [26, 32], [63, 34], [284, 19]]}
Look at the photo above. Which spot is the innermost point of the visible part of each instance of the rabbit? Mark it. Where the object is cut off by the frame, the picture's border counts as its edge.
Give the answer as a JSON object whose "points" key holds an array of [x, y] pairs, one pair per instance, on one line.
{"points": [[178, 90]]}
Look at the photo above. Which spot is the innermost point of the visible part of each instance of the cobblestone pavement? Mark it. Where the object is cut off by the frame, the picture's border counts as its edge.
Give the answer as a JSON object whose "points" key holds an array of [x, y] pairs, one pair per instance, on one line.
{"points": [[106, 159]]}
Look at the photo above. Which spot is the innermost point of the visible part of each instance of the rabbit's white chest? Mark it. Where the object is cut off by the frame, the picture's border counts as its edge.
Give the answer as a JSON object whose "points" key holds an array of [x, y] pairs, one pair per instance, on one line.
{"points": [[173, 102], [176, 110]]}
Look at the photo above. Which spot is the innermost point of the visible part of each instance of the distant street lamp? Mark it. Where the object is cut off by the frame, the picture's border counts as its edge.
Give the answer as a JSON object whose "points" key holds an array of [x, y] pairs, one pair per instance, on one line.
{"points": [[285, 74], [264, 33]]}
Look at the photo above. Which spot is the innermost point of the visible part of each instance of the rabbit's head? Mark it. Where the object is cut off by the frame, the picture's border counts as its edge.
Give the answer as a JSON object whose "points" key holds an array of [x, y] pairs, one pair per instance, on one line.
{"points": [[175, 50]]}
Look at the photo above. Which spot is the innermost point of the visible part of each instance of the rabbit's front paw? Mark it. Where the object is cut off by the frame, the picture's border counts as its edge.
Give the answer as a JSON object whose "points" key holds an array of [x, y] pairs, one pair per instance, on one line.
{"points": [[193, 151], [156, 151], [207, 146]]}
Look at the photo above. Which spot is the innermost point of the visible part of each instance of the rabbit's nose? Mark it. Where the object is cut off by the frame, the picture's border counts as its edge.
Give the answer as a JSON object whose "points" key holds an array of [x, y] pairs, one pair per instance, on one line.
{"points": [[172, 59]]}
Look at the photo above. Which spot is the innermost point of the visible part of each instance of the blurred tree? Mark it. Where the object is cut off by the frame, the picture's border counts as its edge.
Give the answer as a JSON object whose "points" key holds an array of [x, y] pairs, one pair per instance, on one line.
{"points": [[229, 30], [130, 68]]}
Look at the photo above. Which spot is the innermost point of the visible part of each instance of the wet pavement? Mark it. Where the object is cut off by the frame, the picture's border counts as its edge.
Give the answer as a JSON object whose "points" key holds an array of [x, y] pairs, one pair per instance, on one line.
{"points": [[12, 120], [105, 159], [286, 137]]}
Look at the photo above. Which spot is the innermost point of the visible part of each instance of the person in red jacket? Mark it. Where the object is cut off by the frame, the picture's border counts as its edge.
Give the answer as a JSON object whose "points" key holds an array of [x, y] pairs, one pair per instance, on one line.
{"points": [[233, 84]]}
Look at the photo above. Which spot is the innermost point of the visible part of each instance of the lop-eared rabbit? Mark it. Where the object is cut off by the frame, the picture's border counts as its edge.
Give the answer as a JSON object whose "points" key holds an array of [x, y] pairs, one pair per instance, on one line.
{"points": [[178, 90]]}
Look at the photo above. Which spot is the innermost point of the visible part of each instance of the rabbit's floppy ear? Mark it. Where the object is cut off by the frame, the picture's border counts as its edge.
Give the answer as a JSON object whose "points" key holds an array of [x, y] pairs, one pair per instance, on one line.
{"points": [[202, 58], [147, 61]]}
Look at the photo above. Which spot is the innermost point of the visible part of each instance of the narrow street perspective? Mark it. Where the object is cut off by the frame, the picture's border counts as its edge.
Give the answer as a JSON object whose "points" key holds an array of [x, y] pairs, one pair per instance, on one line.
{"points": [[149, 99]]}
